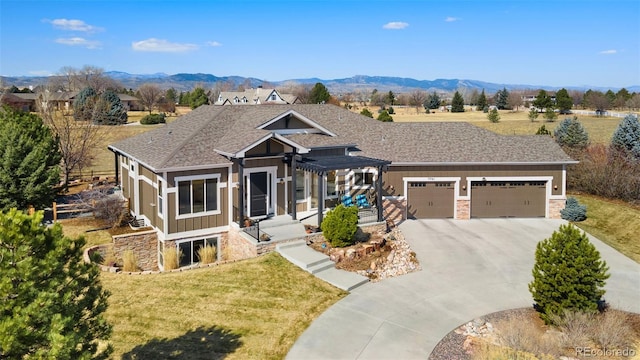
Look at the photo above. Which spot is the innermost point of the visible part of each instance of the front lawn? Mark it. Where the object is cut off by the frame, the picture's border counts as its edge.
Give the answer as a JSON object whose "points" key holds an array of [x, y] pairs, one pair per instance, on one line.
{"points": [[252, 309], [614, 222]]}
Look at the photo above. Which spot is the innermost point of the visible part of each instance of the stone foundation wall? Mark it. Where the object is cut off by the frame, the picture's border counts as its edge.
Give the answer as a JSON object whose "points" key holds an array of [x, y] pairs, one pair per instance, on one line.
{"points": [[554, 208], [394, 210], [144, 245], [463, 210], [236, 247]]}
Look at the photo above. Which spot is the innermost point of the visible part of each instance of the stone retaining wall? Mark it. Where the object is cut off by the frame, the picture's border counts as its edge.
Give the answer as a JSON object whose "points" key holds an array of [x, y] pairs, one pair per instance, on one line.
{"points": [[144, 245]]}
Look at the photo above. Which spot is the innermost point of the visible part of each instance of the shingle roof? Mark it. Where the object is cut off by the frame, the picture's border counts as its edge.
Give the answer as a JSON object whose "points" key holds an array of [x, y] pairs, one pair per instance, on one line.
{"points": [[196, 139]]}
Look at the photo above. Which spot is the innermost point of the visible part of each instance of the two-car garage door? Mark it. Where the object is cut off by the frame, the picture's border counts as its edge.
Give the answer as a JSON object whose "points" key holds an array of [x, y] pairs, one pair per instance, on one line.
{"points": [[492, 199]]}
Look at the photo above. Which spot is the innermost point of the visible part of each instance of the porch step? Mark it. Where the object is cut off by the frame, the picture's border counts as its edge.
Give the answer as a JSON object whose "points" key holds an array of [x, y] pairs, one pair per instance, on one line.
{"points": [[319, 265], [277, 221]]}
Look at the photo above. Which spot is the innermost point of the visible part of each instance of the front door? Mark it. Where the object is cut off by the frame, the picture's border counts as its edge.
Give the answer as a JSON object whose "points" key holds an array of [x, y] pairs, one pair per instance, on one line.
{"points": [[259, 194]]}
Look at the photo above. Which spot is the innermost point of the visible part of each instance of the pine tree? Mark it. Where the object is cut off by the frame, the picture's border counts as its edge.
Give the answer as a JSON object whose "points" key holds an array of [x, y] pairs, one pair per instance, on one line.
{"points": [[568, 274], [385, 117], [109, 110], [573, 210], [571, 133], [84, 103], [457, 104], [626, 138], [366, 112], [52, 301], [319, 94], [542, 101], [502, 99], [533, 114], [433, 101], [564, 102], [197, 98], [482, 101], [29, 161], [493, 116]]}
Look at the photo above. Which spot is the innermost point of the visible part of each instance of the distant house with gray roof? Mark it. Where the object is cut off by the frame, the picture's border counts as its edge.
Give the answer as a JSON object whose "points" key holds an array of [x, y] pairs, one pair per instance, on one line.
{"points": [[259, 96], [196, 180]]}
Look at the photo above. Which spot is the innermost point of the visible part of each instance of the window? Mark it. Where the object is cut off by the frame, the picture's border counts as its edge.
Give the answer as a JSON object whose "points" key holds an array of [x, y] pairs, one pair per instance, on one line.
{"points": [[331, 184], [189, 249], [160, 203], [273, 97], [197, 196], [300, 178], [362, 178]]}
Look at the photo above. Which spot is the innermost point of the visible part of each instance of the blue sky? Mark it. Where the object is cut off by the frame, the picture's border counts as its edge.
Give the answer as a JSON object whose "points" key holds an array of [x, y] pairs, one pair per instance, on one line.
{"points": [[554, 43]]}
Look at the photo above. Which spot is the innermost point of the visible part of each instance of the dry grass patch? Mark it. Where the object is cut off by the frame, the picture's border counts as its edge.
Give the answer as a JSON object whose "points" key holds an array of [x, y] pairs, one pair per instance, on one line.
{"points": [[250, 309], [614, 222], [86, 226]]}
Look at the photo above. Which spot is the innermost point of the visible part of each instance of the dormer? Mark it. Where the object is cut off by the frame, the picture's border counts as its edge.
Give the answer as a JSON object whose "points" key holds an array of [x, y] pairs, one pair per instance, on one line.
{"points": [[292, 122]]}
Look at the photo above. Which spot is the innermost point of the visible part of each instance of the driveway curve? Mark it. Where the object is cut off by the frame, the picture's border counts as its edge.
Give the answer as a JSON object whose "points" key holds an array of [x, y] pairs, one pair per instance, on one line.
{"points": [[470, 268]]}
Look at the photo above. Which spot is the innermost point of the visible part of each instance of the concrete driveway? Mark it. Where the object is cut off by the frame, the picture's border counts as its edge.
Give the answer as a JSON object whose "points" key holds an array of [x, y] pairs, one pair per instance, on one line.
{"points": [[470, 268]]}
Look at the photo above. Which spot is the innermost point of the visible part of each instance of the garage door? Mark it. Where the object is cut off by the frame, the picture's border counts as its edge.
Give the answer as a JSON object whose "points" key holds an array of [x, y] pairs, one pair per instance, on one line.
{"points": [[492, 199], [430, 199]]}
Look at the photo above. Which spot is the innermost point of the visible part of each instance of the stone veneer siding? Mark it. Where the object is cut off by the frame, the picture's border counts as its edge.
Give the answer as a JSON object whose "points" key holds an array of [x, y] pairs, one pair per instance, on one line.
{"points": [[463, 209], [395, 210], [144, 245], [555, 206]]}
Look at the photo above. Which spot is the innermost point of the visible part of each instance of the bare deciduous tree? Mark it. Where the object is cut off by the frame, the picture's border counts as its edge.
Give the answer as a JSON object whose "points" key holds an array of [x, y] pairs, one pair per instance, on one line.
{"points": [[72, 79], [77, 139], [633, 103], [417, 99], [150, 95], [514, 101]]}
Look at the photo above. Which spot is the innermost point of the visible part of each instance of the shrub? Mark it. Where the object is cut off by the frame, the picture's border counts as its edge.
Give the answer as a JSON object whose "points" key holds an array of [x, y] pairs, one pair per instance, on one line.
{"points": [[340, 225], [385, 117], [550, 115], [573, 210], [153, 119], [570, 133], [542, 130], [366, 112], [129, 261], [522, 337], [391, 111], [533, 114], [207, 254], [612, 330], [171, 258], [568, 274], [109, 258], [575, 327], [493, 116]]}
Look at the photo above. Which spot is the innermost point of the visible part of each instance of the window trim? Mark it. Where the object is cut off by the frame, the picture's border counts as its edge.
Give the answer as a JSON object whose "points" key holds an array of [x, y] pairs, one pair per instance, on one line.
{"points": [[160, 198], [364, 185], [216, 238], [204, 178]]}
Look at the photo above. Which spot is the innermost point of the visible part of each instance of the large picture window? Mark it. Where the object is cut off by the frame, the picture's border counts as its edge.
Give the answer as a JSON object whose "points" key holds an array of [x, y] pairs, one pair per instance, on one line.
{"points": [[198, 196]]}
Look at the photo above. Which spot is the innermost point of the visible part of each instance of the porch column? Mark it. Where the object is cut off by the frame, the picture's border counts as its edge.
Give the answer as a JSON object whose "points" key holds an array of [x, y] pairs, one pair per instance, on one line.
{"points": [[117, 164], [320, 197], [240, 163], [293, 185], [379, 193]]}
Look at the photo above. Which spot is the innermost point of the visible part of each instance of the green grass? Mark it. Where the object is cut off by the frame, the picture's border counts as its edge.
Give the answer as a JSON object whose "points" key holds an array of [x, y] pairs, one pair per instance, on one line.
{"points": [[614, 222], [253, 309]]}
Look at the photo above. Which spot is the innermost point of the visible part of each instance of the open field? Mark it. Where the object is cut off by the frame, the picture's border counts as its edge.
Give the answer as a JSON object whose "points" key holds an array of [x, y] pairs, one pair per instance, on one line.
{"points": [[614, 222], [252, 309]]}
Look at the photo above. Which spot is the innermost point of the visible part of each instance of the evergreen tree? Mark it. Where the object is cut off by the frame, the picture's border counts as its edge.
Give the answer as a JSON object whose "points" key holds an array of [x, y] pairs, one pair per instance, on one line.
{"points": [[626, 138], [29, 161], [197, 98], [109, 110], [319, 94], [564, 102], [391, 98], [385, 117], [550, 115], [493, 116], [457, 104], [433, 101], [84, 103], [533, 114], [52, 301], [366, 113], [573, 210], [482, 101], [543, 101], [568, 274], [542, 130], [570, 133], [171, 95], [502, 99]]}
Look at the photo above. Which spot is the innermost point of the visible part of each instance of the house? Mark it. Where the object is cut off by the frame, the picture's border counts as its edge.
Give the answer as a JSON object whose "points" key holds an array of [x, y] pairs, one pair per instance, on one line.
{"points": [[196, 179], [257, 96], [62, 100]]}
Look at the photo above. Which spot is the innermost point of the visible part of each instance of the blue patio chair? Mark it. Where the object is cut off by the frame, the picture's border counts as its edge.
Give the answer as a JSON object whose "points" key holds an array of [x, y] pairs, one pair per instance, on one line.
{"points": [[362, 202], [347, 201]]}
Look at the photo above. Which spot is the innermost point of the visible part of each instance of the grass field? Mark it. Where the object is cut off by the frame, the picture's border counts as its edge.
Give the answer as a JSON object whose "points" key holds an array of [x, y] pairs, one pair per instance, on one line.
{"points": [[614, 222], [252, 309]]}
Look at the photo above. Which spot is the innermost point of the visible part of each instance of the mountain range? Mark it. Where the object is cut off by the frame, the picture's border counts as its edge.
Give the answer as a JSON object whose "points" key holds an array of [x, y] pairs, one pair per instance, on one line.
{"points": [[187, 81]]}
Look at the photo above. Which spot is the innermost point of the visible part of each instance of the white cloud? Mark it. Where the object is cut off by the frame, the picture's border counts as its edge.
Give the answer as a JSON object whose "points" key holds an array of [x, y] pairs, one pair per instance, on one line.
{"points": [[609, 52], [451, 19], [160, 45], [395, 25], [73, 25], [78, 41], [214, 43]]}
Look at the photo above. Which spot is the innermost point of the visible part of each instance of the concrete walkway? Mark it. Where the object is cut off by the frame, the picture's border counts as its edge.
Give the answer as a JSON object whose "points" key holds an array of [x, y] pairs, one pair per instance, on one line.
{"points": [[319, 265], [470, 268]]}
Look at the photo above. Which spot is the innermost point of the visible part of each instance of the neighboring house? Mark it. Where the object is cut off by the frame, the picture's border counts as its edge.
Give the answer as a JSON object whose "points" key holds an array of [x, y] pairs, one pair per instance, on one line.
{"points": [[257, 96], [194, 180], [61, 100]]}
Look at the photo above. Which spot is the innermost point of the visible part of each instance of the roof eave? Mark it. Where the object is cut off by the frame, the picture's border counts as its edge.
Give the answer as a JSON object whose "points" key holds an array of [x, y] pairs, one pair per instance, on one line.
{"points": [[449, 163]]}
